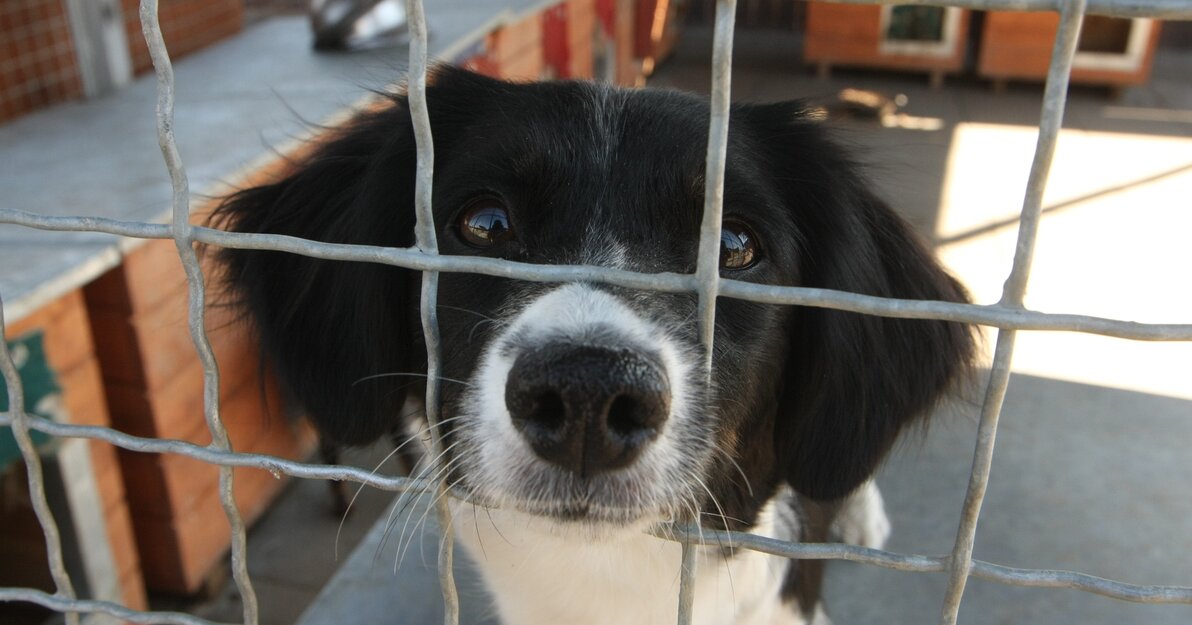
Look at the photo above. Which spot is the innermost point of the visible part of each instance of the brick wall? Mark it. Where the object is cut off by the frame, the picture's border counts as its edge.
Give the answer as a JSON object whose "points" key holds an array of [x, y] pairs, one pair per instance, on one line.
{"points": [[38, 64], [186, 25]]}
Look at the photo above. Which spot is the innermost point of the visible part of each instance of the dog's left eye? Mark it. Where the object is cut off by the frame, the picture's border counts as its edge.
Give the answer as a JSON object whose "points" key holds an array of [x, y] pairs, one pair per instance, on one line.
{"points": [[738, 246], [485, 223]]}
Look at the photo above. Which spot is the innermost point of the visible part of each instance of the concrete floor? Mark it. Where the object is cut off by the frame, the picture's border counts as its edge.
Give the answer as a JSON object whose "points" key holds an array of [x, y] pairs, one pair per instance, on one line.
{"points": [[1092, 467]]}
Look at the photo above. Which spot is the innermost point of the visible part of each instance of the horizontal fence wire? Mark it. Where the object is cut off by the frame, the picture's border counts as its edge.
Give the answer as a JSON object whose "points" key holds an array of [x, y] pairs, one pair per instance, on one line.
{"points": [[1163, 9], [1008, 315], [992, 315]]}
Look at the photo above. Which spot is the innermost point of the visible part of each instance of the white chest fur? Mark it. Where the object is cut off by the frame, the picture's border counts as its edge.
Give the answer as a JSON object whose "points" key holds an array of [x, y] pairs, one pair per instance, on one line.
{"points": [[541, 573]]}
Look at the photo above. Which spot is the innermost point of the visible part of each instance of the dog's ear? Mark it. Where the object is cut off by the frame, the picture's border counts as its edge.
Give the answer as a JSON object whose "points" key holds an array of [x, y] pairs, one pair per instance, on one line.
{"points": [[852, 382], [326, 326]]}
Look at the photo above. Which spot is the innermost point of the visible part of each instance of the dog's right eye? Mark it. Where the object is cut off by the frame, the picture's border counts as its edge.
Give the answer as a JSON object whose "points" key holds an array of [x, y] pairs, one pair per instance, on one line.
{"points": [[485, 223]]}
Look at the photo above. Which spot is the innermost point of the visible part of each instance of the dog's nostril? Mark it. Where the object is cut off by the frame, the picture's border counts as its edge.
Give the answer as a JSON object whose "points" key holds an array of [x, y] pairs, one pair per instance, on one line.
{"points": [[627, 417], [549, 411]]}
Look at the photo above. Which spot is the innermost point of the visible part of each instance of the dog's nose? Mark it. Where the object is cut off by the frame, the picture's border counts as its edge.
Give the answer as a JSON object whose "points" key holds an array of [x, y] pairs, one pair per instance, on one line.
{"points": [[587, 409]]}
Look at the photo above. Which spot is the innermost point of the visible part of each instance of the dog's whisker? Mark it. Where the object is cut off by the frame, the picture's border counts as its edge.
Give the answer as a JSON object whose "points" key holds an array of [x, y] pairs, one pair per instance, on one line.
{"points": [[407, 498], [401, 374], [352, 501], [421, 523], [476, 529], [360, 488], [489, 512], [477, 326], [470, 312], [728, 456]]}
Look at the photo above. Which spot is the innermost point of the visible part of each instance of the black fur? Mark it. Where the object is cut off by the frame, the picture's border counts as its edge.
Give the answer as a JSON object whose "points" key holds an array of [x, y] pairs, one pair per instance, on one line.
{"points": [[807, 396]]}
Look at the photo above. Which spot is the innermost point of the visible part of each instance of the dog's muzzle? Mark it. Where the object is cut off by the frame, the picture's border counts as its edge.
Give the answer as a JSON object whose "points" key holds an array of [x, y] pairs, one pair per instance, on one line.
{"points": [[587, 409]]}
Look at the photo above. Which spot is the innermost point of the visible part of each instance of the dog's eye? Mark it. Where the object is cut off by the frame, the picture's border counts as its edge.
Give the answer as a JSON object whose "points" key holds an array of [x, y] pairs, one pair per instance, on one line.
{"points": [[485, 223], [738, 246]]}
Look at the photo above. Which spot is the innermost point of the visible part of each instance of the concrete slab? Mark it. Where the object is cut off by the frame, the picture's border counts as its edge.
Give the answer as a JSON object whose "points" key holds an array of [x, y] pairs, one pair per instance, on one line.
{"points": [[1084, 479], [392, 577]]}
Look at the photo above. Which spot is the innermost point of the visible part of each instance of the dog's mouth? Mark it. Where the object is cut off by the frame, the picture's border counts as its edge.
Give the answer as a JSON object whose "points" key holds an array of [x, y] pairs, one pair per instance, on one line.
{"points": [[628, 498]]}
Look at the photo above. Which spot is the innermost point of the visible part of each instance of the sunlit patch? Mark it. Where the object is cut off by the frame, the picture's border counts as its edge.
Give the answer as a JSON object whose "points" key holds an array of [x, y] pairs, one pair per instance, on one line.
{"points": [[1112, 243]]}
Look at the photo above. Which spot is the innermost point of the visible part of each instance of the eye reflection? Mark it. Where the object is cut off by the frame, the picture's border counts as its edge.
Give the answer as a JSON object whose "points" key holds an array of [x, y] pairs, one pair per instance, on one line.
{"points": [[738, 246], [485, 224]]}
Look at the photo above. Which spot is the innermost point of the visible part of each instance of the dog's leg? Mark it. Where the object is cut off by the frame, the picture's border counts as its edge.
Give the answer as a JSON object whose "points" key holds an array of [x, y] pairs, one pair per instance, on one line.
{"points": [[862, 518], [859, 519]]}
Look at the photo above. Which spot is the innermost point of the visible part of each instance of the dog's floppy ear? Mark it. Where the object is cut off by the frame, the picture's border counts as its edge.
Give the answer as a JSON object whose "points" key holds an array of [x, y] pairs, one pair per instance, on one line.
{"points": [[852, 382], [326, 326]]}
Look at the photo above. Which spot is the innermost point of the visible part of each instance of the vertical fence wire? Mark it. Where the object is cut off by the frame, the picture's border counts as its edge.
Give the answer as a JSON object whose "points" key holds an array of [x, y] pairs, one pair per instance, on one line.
{"points": [[19, 422], [184, 240], [1013, 292], [428, 243], [708, 260]]}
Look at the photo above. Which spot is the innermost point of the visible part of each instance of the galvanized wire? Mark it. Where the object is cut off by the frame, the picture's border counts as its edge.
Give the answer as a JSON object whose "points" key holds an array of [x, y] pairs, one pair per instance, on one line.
{"points": [[678, 533], [1008, 315], [197, 301], [707, 274], [273, 464], [703, 536], [1055, 95], [19, 422], [1164, 9], [428, 244], [993, 315], [74, 607]]}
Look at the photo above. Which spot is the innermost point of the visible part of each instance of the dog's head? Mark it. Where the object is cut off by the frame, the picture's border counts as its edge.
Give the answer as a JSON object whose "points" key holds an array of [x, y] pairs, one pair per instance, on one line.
{"points": [[583, 401]]}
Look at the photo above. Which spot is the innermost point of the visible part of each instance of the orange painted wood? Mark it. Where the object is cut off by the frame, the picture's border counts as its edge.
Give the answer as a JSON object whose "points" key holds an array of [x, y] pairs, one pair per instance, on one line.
{"points": [[70, 351], [513, 52], [628, 68], [66, 332], [167, 485], [847, 34], [148, 347], [528, 66], [176, 409], [1016, 45], [178, 553], [581, 28]]}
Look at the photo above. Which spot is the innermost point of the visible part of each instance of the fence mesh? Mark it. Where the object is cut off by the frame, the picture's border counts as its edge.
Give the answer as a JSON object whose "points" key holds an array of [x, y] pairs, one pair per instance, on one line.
{"points": [[1008, 316]]}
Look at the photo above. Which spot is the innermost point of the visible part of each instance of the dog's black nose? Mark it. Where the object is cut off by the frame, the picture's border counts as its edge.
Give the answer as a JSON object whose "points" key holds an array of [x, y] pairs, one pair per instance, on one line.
{"points": [[587, 409]]}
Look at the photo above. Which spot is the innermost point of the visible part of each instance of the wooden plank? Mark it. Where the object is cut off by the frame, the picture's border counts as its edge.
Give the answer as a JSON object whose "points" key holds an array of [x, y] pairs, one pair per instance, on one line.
{"points": [[167, 485], [841, 34], [1018, 45], [176, 409], [67, 334], [178, 553]]}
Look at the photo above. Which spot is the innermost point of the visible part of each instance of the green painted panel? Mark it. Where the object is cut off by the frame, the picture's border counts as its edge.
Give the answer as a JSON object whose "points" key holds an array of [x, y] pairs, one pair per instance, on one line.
{"points": [[43, 396]]}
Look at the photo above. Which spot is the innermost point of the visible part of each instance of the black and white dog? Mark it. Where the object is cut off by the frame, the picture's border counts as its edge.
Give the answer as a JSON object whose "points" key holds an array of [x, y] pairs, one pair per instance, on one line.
{"points": [[579, 412]]}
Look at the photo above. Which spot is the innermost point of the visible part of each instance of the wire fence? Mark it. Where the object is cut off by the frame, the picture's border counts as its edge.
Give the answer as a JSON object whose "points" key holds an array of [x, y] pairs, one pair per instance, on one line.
{"points": [[1008, 316]]}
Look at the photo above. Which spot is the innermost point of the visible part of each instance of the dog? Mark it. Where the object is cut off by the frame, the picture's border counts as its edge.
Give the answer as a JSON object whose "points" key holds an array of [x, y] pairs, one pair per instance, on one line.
{"points": [[579, 414]]}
